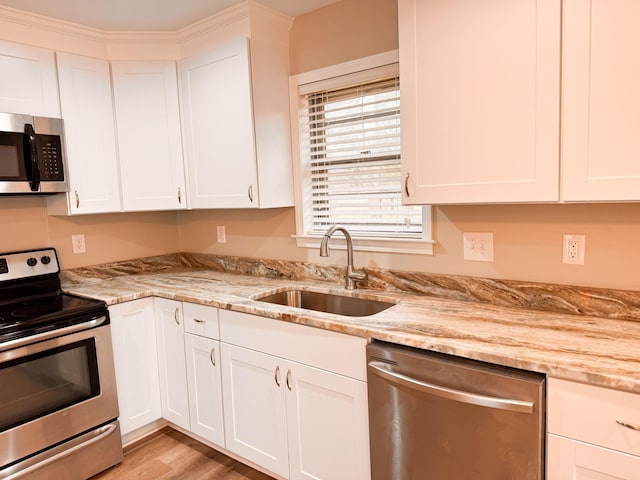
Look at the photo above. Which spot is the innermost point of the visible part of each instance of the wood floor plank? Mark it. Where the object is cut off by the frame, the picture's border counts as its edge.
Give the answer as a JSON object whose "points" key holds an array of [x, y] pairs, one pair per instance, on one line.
{"points": [[170, 455]]}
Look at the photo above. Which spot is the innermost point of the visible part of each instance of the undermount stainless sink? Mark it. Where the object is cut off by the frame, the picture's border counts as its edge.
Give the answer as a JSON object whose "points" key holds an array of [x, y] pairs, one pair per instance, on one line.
{"points": [[327, 302]]}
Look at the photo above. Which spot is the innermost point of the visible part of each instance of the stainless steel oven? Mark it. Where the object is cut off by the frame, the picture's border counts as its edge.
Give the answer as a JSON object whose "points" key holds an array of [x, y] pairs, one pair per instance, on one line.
{"points": [[58, 402]]}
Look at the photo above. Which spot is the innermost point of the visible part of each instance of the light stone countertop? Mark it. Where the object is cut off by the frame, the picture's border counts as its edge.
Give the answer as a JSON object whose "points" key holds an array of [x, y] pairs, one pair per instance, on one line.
{"points": [[595, 350]]}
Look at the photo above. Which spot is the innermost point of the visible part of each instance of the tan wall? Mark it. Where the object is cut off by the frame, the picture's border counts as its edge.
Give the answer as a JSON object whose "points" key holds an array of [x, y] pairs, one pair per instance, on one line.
{"points": [[528, 238], [24, 224], [341, 32]]}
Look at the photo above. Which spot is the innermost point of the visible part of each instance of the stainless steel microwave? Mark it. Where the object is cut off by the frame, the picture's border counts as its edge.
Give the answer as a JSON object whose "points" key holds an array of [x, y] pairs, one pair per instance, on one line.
{"points": [[31, 155]]}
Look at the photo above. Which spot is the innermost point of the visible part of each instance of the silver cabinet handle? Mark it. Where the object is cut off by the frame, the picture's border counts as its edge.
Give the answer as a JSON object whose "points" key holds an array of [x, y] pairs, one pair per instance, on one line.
{"points": [[406, 185], [250, 193], [198, 320], [77, 198], [277, 375], [212, 356], [289, 380], [381, 370], [176, 315], [629, 425], [179, 196]]}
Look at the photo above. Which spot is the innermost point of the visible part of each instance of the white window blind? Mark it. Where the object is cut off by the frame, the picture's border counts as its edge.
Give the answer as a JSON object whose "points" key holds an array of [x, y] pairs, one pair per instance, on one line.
{"points": [[350, 147]]}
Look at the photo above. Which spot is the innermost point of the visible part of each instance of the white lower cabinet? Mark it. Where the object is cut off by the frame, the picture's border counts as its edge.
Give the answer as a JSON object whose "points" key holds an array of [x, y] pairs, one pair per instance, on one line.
{"points": [[172, 362], [327, 425], [569, 459], [593, 432], [204, 388], [133, 334], [254, 407], [283, 409]]}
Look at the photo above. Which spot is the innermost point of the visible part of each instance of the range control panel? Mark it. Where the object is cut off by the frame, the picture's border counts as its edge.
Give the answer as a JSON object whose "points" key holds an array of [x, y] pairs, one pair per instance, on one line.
{"points": [[32, 263]]}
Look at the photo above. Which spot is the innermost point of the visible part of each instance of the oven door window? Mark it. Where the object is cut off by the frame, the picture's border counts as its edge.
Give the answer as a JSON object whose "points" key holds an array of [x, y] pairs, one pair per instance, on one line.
{"points": [[45, 382]]}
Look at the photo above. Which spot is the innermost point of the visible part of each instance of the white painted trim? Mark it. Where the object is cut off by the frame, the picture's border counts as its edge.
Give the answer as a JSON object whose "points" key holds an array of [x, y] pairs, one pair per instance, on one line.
{"points": [[346, 68], [413, 246]]}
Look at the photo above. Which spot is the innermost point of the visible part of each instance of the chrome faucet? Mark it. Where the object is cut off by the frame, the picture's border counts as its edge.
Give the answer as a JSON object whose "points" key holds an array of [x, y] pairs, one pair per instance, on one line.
{"points": [[352, 276]]}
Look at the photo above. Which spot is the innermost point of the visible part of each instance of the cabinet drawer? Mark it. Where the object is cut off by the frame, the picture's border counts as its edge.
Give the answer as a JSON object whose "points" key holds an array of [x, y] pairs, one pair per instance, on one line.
{"points": [[324, 349], [201, 320], [591, 414]]}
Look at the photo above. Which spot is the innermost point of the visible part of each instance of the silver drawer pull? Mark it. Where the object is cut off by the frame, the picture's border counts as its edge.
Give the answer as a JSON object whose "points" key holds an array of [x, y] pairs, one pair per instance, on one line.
{"points": [[212, 356], [628, 425], [197, 320], [276, 375]]}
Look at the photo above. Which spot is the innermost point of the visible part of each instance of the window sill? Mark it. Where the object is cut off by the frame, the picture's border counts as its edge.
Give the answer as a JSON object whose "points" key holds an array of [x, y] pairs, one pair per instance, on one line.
{"points": [[408, 246]]}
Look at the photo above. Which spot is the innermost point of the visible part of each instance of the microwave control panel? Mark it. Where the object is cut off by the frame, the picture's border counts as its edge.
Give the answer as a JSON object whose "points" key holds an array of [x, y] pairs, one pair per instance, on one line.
{"points": [[50, 157]]}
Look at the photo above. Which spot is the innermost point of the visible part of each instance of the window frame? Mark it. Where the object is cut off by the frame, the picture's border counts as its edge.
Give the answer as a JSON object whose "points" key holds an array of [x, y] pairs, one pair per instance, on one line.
{"points": [[329, 77]]}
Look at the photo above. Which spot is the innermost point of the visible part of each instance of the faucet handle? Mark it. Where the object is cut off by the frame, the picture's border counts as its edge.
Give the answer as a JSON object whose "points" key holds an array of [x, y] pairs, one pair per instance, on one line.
{"points": [[357, 276]]}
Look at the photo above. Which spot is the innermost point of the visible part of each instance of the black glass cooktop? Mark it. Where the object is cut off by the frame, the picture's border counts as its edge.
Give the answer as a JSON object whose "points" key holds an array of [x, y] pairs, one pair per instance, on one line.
{"points": [[31, 298], [31, 316]]}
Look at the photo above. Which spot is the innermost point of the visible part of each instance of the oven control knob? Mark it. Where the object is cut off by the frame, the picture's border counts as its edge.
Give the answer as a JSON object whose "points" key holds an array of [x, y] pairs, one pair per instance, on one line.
{"points": [[32, 261], [46, 260]]}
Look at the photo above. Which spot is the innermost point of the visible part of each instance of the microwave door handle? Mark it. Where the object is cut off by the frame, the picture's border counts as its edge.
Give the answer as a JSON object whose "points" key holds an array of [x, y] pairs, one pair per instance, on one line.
{"points": [[34, 183]]}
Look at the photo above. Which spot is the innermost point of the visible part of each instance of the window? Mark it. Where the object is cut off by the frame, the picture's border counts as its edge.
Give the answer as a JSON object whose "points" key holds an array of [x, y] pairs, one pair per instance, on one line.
{"points": [[348, 129]]}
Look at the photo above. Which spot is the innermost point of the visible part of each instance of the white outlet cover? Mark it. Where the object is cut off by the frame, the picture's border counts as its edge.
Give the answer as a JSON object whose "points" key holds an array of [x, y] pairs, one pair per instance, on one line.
{"points": [[78, 243], [573, 247], [478, 246]]}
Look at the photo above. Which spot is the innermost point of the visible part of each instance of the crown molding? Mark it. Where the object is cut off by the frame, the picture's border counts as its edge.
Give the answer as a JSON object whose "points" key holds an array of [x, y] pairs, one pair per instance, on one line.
{"points": [[49, 24], [214, 22]]}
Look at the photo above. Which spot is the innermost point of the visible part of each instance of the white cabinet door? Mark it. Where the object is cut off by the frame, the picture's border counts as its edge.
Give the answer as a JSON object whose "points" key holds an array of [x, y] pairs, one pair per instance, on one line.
{"points": [[328, 425], [133, 334], [85, 98], [572, 460], [480, 98], [28, 83], [172, 363], [205, 388], [254, 407], [147, 113], [600, 101], [218, 120]]}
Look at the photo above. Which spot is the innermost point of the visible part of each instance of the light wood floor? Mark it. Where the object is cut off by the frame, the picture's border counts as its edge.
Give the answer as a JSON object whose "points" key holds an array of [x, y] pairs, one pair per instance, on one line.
{"points": [[172, 455]]}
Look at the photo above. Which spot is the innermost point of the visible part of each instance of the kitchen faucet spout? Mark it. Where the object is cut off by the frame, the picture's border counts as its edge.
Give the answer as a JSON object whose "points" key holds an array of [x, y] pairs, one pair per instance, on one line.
{"points": [[352, 277]]}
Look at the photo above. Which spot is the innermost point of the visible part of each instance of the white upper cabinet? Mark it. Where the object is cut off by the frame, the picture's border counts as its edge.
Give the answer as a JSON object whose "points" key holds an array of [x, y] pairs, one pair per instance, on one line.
{"points": [[236, 140], [28, 82], [85, 98], [145, 96], [600, 101], [218, 120], [480, 87]]}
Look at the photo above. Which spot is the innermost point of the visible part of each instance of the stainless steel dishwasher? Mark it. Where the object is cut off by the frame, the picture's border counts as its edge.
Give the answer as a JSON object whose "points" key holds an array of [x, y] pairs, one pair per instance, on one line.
{"points": [[439, 417]]}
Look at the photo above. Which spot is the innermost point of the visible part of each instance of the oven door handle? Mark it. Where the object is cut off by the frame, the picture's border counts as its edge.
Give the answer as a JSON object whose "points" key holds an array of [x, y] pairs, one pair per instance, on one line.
{"points": [[100, 434], [381, 370], [21, 342]]}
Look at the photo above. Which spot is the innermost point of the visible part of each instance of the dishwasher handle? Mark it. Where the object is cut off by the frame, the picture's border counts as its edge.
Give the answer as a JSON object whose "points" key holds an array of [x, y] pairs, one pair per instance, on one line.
{"points": [[382, 370]]}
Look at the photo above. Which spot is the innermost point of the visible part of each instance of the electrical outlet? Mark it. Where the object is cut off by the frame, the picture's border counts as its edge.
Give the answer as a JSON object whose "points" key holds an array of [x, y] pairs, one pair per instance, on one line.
{"points": [[222, 236], [78, 243], [573, 249], [478, 246]]}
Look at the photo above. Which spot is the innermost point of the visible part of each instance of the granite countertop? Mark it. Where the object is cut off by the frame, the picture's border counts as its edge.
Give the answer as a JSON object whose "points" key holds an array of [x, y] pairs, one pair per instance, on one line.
{"points": [[592, 349]]}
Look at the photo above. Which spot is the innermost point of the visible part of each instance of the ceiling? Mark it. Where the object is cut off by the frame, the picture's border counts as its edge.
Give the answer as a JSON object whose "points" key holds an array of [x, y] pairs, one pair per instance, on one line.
{"points": [[147, 15]]}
